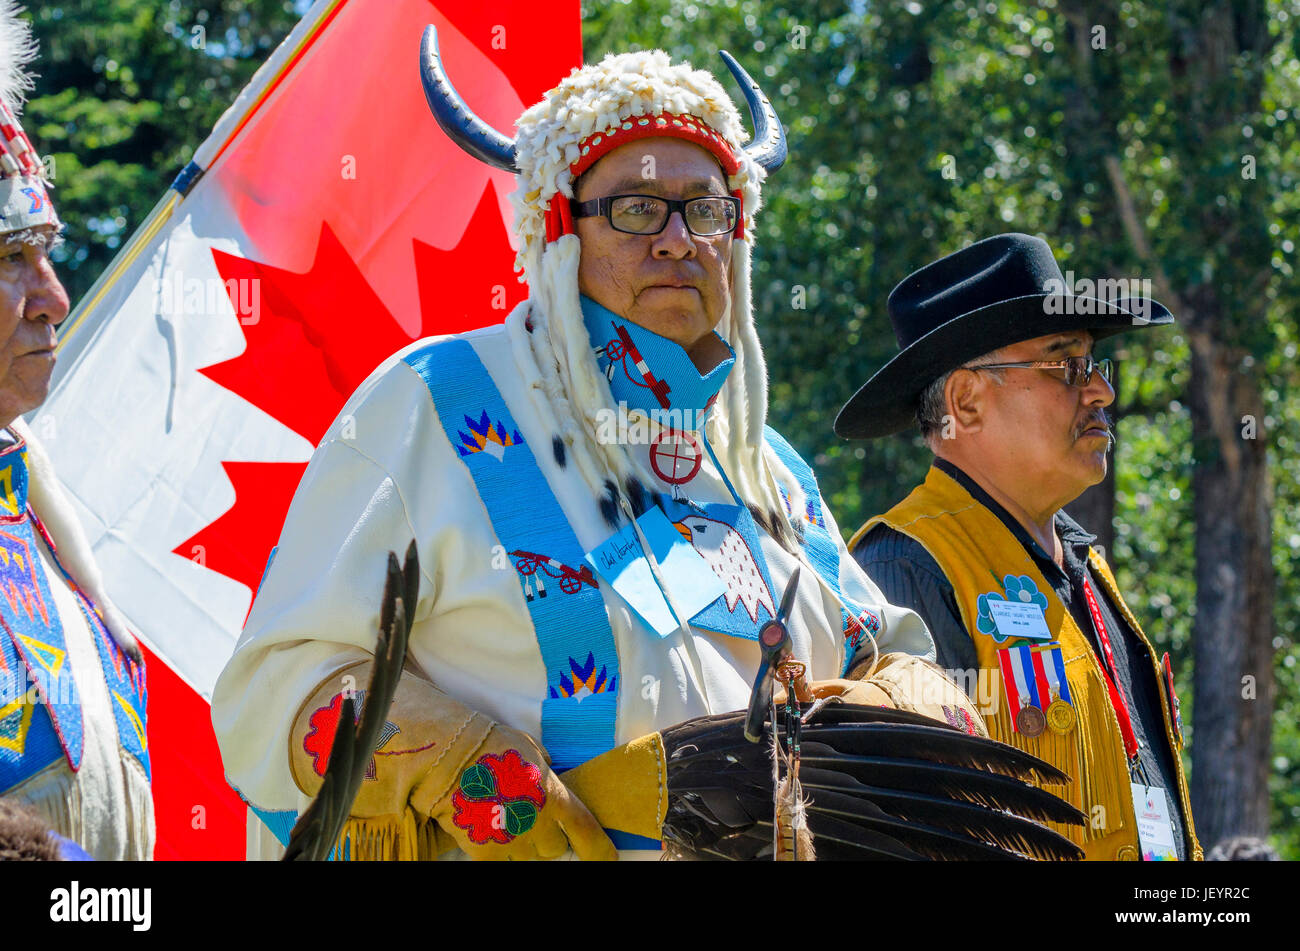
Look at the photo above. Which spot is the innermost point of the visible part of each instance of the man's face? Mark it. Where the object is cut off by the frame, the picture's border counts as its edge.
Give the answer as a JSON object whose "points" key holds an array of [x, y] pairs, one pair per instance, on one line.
{"points": [[673, 283], [1054, 434], [32, 304]]}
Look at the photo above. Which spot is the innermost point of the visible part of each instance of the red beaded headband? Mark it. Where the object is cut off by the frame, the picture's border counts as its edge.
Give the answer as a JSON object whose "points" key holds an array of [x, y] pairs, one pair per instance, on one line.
{"points": [[597, 145], [17, 157]]}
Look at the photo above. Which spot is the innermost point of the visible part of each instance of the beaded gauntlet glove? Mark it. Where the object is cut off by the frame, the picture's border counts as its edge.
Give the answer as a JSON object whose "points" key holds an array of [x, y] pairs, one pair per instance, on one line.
{"points": [[488, 787]]}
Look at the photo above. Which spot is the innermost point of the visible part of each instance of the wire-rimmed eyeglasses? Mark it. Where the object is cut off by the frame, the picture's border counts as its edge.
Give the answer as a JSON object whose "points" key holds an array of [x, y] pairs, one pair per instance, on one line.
{"points": [[1078, 370]]}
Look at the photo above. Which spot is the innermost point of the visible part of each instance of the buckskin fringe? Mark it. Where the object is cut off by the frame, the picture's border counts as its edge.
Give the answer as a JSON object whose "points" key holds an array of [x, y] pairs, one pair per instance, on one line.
{"points": [[408, 837], [54, 796]]}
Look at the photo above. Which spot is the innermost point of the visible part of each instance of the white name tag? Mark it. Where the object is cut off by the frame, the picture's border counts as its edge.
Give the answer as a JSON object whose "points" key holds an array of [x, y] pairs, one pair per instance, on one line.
{"points": [[1155, 830], [622, 564], [1019, 619]]}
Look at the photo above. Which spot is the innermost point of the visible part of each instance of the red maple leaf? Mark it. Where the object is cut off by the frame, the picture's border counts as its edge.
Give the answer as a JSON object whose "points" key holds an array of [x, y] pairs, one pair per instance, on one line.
{"points": [[238, 543], [315, 337]]}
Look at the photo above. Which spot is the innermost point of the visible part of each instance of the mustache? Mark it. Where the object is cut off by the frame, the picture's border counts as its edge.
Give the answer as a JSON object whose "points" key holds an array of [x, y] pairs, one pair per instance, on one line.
{"points": [[1100, 417]]}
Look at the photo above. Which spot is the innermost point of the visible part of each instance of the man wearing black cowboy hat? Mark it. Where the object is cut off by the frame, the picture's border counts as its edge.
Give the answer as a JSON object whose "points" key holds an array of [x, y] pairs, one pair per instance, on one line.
{"points": [[996, 367]]}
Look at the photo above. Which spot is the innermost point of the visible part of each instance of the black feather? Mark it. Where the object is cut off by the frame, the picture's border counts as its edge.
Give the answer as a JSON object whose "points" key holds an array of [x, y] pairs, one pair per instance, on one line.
{"points": [[557, 447], [761, 520], [930, 743], [318, 828], [878, 782], [835, 839], [994, 790], [732, 793], [833, 792], [990, 753]]}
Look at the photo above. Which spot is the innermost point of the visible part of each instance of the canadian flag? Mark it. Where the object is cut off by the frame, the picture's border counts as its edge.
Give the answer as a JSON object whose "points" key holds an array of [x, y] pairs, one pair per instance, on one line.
{"points": [[324, 224]]}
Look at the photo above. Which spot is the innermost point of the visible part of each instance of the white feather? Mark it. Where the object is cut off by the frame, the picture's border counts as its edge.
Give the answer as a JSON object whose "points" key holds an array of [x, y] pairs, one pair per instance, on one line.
{"points": [[17, 50]]}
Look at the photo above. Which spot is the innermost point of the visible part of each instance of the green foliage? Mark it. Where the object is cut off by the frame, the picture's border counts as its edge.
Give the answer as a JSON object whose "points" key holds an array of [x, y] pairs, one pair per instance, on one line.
{"points": [[1283, 424], [915, 129], [126, 91]]}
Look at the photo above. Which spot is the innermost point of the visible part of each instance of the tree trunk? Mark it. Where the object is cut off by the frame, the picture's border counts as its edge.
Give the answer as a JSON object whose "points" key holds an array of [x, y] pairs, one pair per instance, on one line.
{"points": [[1090, 132], [1095, 511], [1215, 62], [1231, 483], [1233, 631]]}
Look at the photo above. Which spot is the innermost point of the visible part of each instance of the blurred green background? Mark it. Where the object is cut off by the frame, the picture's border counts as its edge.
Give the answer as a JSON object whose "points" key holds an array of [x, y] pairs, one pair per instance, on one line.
{"points": [[1153, 141]]}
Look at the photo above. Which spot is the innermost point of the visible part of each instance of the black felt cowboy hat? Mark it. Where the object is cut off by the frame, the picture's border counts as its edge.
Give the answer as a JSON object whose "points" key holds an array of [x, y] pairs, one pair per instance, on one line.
{"points": [[997, 292]]}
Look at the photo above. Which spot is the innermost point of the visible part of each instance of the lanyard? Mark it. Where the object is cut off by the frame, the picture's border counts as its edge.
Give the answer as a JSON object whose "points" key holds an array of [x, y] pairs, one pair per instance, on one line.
{"points": [[1116, 697]]}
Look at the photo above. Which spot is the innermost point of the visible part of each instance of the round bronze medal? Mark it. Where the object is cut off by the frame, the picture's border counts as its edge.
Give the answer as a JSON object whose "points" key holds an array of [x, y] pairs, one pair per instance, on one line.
{"points": [[1030, 721], [1060, 716]]}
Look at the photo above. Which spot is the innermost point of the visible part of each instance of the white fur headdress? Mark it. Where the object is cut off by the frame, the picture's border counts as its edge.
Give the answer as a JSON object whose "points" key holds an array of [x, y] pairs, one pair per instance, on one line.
{"points": [[622, 97], [597, 107]]}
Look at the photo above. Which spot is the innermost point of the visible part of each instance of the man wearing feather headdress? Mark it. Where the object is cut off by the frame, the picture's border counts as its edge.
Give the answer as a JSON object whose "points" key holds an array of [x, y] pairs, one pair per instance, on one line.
{"points": [[72, 691], [579, 587]]}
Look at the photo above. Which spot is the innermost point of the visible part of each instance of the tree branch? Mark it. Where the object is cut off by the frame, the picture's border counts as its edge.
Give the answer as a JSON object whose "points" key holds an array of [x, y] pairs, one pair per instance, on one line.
{"points": [[1137, 234]]}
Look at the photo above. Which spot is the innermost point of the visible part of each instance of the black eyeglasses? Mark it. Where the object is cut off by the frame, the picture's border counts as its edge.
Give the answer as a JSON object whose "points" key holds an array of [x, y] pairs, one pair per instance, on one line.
{"points": [[1078, 370], [649, 214]]}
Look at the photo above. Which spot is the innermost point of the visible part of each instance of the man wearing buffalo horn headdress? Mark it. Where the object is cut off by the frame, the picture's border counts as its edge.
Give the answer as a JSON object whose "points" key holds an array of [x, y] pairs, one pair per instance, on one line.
{"points": [[73, 748], [603, 520]]}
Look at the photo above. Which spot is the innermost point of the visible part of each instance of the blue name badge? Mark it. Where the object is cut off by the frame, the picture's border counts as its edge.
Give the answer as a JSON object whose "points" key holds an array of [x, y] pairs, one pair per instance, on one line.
{"points": [[622, 564]]}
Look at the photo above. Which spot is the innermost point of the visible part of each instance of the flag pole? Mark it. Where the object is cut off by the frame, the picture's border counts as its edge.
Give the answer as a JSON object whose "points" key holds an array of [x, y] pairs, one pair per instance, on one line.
{"points": [[232, 122]]}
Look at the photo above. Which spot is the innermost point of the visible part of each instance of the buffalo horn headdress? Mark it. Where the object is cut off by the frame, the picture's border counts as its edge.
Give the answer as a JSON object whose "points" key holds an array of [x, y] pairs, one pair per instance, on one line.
{"points": [[595, 109], [486, 144]]}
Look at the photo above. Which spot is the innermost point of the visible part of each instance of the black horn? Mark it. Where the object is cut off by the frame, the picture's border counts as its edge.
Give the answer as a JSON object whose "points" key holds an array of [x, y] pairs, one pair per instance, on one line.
{"points": [[463, 127], [768, 148]]}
